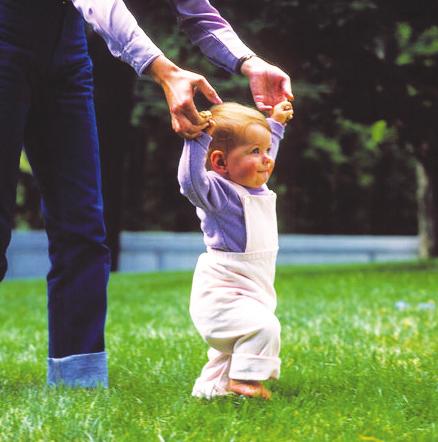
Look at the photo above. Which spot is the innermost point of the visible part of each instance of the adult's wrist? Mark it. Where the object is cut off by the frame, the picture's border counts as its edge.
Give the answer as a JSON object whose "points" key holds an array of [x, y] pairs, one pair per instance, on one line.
{"points": [[242, 61], [161, 69], [247, 63]]}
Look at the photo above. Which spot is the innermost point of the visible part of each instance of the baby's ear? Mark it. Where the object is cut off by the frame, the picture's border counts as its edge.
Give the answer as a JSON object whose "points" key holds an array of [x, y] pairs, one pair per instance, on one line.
{"points": [[218, 162]]}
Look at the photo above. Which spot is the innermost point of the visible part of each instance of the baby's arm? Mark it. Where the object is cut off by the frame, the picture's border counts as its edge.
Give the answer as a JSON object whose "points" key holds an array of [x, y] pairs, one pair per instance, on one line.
{"points": [[281, 115], [197, 185]]}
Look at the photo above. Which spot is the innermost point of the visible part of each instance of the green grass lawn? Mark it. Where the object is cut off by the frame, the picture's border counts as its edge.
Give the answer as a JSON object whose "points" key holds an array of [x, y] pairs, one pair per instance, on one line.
{"points": [[355, 367]]}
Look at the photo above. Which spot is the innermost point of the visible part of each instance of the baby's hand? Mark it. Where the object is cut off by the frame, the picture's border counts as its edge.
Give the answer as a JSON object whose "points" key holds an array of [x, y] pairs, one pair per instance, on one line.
{"points": [[207, 117], [283, 112]]}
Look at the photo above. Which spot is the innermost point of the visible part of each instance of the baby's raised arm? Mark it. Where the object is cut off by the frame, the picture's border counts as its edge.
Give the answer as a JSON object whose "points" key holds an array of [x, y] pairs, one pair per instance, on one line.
{"points": [[201, 188], [281, 115]]}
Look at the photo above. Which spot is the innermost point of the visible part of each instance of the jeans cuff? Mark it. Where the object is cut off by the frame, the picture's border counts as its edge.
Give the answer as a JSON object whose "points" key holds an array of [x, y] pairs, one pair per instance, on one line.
{"points": [[84, 370]]}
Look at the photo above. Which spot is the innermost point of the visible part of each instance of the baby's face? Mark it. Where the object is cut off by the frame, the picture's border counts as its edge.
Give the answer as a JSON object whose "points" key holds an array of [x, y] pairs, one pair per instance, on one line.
{"points": [[250, 164]]}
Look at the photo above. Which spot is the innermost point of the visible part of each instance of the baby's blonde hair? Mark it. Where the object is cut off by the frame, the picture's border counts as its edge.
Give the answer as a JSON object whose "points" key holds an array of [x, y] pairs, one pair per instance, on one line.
{"points": [[232, 120]]}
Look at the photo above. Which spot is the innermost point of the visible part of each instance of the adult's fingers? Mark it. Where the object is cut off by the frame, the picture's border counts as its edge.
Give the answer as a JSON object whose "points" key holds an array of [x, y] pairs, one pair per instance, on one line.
{"points": [[260, 103], [263, 107], [193, 133], [286, 88], [188, 108], [208, 91], [185, 128], [187, 111]]}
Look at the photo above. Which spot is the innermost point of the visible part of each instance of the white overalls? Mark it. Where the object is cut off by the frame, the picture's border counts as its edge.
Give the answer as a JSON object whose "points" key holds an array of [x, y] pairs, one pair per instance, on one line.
{"points": [[233, 301]]}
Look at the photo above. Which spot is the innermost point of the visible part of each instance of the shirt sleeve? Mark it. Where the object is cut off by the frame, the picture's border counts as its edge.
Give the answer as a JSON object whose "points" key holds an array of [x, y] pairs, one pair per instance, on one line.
{"points": [[201, 188], [277, 132], [112, 20], [214, 35]]}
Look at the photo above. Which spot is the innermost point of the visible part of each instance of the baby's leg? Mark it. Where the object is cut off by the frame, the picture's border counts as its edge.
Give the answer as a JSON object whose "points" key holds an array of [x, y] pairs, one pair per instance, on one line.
{"points": [[213, 380], [257, 344], [249, 334], [236, 318], [255, 353]]}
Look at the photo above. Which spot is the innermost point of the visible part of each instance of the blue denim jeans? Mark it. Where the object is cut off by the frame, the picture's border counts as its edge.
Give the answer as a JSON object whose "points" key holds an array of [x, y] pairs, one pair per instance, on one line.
{"points": [[46, 105]]}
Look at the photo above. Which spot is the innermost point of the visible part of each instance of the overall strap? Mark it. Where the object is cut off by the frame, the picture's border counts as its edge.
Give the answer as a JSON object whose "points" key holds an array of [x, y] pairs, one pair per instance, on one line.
{"points": [[240, 189]]}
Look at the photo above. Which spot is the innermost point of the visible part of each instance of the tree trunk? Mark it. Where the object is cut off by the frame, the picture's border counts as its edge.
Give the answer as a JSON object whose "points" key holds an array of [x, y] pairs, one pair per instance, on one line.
{"points": [[427, 198]]}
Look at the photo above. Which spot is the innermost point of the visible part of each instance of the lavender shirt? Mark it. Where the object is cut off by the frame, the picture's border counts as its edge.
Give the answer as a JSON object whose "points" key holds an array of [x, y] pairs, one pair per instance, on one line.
{"points": [[217, 202], [126, 40]]}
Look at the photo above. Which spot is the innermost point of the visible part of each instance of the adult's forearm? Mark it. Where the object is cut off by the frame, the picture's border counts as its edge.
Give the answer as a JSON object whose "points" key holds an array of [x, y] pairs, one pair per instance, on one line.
{"points": [[212, 33], [198, 18], [112, 20]]}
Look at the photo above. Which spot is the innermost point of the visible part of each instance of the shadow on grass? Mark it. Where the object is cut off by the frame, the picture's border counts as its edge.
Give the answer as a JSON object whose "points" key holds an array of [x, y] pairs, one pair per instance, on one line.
{"points": [[13, 385], [285, 392]]}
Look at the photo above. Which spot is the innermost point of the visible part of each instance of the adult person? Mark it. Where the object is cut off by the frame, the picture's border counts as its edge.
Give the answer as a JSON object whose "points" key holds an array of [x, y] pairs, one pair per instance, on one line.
{"points": [[208, 30], [46, 96]]}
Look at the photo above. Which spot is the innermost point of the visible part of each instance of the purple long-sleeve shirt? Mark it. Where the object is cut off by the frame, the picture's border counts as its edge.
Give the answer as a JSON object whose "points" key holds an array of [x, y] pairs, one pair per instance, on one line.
{"points": [[200, 20], [217, 202]]}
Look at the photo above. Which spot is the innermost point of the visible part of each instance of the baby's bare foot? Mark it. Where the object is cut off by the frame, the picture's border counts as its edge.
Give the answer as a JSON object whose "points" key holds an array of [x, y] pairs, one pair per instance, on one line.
{"points": [[249, 388]]}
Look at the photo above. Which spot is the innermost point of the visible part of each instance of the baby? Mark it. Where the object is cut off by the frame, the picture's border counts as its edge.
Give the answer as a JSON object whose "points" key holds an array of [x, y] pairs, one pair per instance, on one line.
{"points": [[224, 173]]}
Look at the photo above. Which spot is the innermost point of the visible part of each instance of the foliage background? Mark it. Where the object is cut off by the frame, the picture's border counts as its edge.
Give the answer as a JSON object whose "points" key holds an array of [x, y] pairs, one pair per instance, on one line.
{"points": [[364, 80]]}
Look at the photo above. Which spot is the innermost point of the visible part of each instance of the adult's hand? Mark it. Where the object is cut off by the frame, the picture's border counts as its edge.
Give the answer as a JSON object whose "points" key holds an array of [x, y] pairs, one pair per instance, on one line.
{"points": [[269, 84], [179, 87]]}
